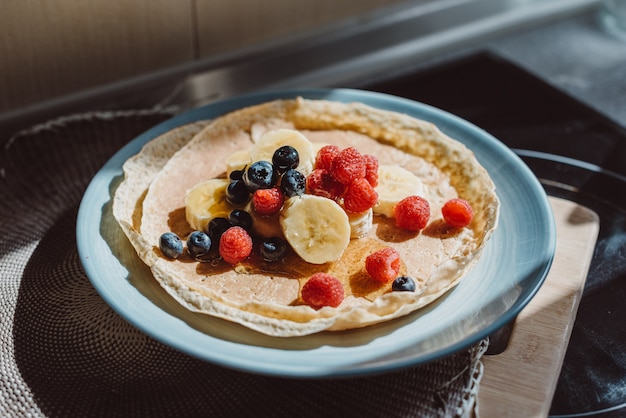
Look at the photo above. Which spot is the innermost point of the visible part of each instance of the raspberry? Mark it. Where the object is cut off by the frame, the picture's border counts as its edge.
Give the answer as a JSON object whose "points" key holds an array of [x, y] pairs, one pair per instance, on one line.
{"points": [[383, 265], [320, 183], [457, 213], [321, 290], [371, 169], [412, 213], [359, 196], [348, 166], [235, 245], [325, 156], [268, 201]]}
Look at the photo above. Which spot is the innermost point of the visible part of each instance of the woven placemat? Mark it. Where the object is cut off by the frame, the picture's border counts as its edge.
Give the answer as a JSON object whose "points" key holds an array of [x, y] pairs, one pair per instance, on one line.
{"points": [[65, 353]]}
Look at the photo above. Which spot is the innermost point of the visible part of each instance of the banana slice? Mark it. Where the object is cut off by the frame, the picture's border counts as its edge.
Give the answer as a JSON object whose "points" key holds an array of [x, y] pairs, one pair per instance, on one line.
{"points": [[317, 146], [317, 228], [206, 201], [270, 141], [237, 161], [394, 184], [360, 223], [265, 226]]}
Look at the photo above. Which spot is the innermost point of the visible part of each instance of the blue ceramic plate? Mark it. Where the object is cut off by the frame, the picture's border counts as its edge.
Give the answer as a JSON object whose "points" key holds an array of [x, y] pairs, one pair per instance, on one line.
{"points": [[510, 271]]}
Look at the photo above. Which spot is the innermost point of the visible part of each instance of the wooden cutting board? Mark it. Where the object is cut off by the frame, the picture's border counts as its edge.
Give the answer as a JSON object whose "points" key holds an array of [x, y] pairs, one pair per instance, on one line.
{"points": [[520, 382]]}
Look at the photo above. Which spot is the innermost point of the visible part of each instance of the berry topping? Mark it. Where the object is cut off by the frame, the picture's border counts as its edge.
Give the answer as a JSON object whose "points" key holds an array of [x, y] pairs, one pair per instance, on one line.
{"points": [[267, 201], [325, 156], [457, 213], [235, 245], [371, 169], [293, 183], [383, 265], [412, 213], [403, 284], [237, 193], [320, 183], [321, 290], [359, 196], [273, 249], [198, 245], [236, 175], [348, 166], [260, 175], [171, 245], [240, 217], [285, 157], [216, 227]]}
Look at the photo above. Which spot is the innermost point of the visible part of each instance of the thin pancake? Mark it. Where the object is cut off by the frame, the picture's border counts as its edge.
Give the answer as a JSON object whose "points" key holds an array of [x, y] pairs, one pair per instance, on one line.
{"points": [[266, 297]]}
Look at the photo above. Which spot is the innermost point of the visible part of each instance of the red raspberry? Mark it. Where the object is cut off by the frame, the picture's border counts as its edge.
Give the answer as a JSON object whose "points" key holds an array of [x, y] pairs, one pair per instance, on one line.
{"points": [[383, 265], [320, 183], [268, 201], [235, 245], [359, 196], [325, 156], [321, 290], [371, 169], [348, 166], [412, 213], [457, 212]]}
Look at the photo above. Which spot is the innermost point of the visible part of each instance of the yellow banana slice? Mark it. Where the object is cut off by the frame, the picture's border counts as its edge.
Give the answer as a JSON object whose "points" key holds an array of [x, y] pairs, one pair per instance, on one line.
{"points": [[206, 201], [237, 161], [360, 223], [317, 146], [264, 226], [317, 228], [394, 184], [270, 141]]}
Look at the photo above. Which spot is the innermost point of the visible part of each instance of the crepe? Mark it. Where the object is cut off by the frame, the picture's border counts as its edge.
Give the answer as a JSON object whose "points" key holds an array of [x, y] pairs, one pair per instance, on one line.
{"points": [[266, 297]]}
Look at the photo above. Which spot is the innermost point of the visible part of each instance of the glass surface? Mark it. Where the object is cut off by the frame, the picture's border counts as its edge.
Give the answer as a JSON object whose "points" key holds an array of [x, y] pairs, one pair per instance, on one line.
{"points": [[613, 15], [578, 154], [596, 356]]}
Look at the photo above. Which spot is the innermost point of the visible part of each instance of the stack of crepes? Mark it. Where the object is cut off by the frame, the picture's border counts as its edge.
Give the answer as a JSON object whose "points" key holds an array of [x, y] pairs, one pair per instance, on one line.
{"points": [[266, 297]]}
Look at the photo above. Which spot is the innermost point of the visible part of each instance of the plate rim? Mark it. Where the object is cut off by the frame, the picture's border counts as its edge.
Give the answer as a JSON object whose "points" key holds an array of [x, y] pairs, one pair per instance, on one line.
{"points": [[371, 98]]}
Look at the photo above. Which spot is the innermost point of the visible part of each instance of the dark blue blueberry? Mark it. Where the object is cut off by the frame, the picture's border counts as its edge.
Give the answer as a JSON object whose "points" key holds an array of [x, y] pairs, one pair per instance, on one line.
{"points": [[240, 217], [285, 157], [216, 227], [293, 183], [171, 245], [237, 193], [260, 175], [403, 284], [236, 175], [198, 245], [273, 249]]}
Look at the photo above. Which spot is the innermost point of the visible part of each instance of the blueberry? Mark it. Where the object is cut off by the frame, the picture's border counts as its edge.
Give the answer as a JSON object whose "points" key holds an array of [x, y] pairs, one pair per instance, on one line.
{"points": [[198, 245], [285, 157], [216, 227], [237, 193], [171, 245], [260, 175], [403, 284], [293, 183], [236, 175], [240, 217], [273, 249]]}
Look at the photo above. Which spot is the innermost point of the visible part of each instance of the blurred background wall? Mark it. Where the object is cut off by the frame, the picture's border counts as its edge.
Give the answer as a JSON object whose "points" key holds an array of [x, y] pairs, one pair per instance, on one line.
{"points": [[54, 48]]}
